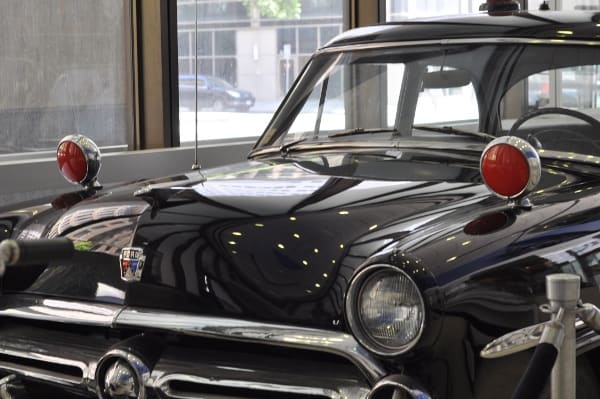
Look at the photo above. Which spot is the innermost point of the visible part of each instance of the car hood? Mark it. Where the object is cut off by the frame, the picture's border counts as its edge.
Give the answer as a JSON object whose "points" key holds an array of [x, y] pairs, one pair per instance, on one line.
{"points": [[280, 242]]}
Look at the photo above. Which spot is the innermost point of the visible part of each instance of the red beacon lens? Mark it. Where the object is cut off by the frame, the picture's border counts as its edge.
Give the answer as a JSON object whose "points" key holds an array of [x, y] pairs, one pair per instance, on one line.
{"points": [[505, 170], [71, 161]]}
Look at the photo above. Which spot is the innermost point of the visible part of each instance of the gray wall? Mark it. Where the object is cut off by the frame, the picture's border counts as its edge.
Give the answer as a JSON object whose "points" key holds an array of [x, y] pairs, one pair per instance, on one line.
{"points": [[25, 179]]}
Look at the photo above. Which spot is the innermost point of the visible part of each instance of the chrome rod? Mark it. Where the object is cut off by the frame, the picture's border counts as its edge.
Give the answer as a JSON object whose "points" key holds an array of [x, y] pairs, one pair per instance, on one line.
{"points": [[196, 166], [437, 42], [338, 343], [563, 292], [116, 316], [163, 384]]}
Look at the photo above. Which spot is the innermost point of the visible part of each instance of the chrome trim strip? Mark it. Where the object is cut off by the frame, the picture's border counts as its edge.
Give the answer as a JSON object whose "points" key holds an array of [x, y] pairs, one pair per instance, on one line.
{"points": [[241, 330], [40, 373], [106, 315], [403, 383], [475, 148], [354, 145], [162, 384], [587, 340], [71, 312], [569, 157], [520, 340], [438, 42], [36, 374]]}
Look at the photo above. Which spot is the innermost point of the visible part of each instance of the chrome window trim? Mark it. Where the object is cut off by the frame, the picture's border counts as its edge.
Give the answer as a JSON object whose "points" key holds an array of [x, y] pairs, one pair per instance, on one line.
{"points": [[437, 42]]}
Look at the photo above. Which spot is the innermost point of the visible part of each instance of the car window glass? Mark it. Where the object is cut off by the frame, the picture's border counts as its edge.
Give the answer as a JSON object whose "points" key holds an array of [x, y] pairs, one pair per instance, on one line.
{"points": [[394, 84], [381, 93], [552, 98], [351, 97], [256, 49], [442, 105]]}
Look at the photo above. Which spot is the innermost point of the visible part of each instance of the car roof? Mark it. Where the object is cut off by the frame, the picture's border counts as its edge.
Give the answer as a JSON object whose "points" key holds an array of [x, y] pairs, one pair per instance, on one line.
{"points": [[560, 25]]}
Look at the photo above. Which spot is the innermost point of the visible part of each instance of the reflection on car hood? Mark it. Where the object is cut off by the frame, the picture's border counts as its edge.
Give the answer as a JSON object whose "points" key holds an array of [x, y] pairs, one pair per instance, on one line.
{"points": [[278, 242]]}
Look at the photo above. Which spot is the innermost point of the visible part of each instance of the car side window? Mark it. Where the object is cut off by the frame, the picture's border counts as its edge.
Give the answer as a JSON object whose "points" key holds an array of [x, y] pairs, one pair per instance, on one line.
{"points": [[556, 110]]}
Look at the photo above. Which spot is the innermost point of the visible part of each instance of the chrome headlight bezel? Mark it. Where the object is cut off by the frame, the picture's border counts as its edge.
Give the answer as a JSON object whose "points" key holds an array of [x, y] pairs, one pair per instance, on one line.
{"points": [[353, 298]]}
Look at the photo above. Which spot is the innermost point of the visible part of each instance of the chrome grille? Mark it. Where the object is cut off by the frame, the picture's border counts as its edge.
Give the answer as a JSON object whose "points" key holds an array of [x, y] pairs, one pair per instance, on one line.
{"points": [[68, 356]]}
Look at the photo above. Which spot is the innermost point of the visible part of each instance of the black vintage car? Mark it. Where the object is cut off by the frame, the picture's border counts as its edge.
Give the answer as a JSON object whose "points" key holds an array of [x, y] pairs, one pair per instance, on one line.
{"points": [[401, 210]]}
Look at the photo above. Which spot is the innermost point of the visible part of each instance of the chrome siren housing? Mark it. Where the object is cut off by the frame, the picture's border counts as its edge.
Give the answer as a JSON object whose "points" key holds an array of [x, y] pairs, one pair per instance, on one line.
{"points": [[78, 160]]}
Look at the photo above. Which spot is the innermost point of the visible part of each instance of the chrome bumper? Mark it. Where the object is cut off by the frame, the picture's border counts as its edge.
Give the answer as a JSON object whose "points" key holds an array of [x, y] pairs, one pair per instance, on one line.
{"points": [[229, 357]]}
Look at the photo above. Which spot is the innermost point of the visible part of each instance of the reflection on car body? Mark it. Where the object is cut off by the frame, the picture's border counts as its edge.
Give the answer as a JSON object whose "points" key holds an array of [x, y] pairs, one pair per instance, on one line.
{"points": [[214, 93], [372, 244]]}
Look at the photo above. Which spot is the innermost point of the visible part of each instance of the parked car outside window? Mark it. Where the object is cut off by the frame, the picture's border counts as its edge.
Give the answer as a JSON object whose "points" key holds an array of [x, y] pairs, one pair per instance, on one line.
{"points": [[214, 93]]}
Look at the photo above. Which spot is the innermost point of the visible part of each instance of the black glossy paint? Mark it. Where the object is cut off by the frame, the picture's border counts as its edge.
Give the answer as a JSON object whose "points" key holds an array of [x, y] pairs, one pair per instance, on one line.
{"points": [[279, 242]]}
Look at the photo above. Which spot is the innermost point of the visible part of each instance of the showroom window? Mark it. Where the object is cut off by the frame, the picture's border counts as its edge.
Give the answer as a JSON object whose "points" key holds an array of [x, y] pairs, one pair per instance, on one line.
{"points": [[66, 67], [248, 55], [397, 10]]}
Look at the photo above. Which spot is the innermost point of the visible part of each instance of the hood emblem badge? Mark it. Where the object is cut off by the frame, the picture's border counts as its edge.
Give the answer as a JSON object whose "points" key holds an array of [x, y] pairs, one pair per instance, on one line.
{"points": [[132, 261]]}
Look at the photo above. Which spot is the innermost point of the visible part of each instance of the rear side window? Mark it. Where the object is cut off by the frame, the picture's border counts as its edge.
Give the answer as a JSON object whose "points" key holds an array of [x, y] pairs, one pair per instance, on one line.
{"points": [[556, 109]]}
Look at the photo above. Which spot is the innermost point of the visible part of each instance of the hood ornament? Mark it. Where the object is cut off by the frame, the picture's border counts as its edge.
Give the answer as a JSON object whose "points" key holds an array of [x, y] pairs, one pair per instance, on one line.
{"points": [[132, 261]]}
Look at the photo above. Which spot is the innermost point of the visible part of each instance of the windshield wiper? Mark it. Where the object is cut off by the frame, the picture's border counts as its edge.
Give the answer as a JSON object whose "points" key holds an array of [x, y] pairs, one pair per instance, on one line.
{"points": [[360, 130], [450, 130], [284, 149]]}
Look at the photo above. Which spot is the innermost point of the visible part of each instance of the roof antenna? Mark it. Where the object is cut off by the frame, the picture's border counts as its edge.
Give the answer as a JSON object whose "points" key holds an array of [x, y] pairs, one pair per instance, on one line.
{"points": [[70, 98], [544, 6], [196, 165]]}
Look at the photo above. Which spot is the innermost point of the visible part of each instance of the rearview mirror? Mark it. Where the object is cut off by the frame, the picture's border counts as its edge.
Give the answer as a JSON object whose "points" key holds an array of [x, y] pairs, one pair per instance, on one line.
{"points": [[446, 79]]}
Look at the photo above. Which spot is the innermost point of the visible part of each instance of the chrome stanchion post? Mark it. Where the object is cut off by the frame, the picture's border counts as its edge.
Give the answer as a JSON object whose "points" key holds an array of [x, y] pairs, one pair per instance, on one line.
{"points": [[563, 291]]}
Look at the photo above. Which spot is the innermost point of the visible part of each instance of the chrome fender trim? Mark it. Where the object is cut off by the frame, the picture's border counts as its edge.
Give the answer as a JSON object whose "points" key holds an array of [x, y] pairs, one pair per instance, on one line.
{"points": [[265, 333], [163, 384], [55, 310], [115, 316]]}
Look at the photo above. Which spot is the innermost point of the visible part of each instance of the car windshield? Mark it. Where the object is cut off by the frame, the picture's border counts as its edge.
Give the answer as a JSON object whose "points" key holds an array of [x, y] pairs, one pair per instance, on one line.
{"points": [[453, 92]]}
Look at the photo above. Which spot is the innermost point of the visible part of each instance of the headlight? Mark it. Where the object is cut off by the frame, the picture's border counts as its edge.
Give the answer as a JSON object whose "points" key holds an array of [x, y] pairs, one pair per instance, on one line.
{"points": [[385, 310]]}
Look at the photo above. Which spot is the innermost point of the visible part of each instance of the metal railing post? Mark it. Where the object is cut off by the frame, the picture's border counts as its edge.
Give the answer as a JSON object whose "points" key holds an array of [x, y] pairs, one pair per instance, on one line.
{"points": [[563, 292]]}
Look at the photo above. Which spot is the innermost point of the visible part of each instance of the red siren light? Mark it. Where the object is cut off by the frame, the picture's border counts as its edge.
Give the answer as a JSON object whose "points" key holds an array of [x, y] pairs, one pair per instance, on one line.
{"points": [[510, 167], [78, 159], [71, 161]]}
